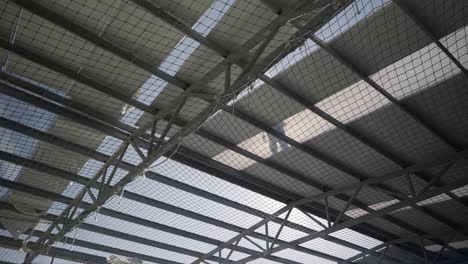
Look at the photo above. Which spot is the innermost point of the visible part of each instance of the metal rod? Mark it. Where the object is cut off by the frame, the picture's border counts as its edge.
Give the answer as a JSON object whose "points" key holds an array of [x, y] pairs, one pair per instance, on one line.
{"points": [[345, 208], [410, 185], [281, 228], [325, 198], [314, 219], [254, 243], [230, 252], [436, 178]]}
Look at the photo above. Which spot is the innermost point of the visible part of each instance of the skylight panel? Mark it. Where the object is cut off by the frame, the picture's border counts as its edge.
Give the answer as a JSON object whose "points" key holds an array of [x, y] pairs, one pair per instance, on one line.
{"points": [[461, 192], [24, 113], [287, 234], [302, 257], [45, 259], [212, 184], [263, 261], [82, 249], [109, 145], [152, 234], [356, 238], [169, 218], [184, 49], [212, 16], [132, 246], [331, 248], [191, 202], [12, 255], [300, 218], [15, 143], [350, 16], [416, 72]]}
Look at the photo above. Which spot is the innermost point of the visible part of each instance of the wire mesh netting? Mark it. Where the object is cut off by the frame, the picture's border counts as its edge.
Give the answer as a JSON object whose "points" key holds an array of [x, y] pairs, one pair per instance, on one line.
{"points": [[220, 114]]}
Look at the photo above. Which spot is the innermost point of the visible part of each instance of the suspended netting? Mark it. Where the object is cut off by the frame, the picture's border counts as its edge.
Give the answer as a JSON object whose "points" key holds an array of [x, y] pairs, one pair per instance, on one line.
{"points": [[229, 131]]}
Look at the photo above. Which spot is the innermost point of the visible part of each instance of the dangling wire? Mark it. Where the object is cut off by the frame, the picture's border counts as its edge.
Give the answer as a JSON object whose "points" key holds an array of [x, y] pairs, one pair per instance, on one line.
{"points": [[121, 194], [74, 236], [96, 213]]}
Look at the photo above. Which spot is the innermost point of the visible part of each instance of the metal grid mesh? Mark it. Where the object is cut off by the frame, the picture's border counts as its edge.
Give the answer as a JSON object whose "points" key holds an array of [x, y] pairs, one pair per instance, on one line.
{"points": [[363, 96]]}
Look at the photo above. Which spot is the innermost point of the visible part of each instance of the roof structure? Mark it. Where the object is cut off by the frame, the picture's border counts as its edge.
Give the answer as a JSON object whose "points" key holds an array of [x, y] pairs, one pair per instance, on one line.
{"points": [[234, 131]]}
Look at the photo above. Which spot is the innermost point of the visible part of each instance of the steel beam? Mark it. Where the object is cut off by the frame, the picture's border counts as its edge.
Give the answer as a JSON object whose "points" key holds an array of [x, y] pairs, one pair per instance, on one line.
{"points": [[112, 233], [121, 216], [394, 158], [71, 74], [55, 197], [44, 241], [308, 180], [108, 126], [377, 214], [74, 114], [88, 35], [48, 239], [51, 139], [44, 168], [100, 247], [160, 13], [347, 223], [124, 217], [356, 70], [77, 178]]}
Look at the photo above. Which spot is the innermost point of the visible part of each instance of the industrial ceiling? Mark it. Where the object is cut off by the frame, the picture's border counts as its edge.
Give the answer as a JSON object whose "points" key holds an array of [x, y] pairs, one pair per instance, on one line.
{"points": [[234, 131]]}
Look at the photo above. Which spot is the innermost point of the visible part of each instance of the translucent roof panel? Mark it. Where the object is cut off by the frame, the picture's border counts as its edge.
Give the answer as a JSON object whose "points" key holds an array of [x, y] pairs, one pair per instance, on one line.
{"points": [[186, 131]]}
